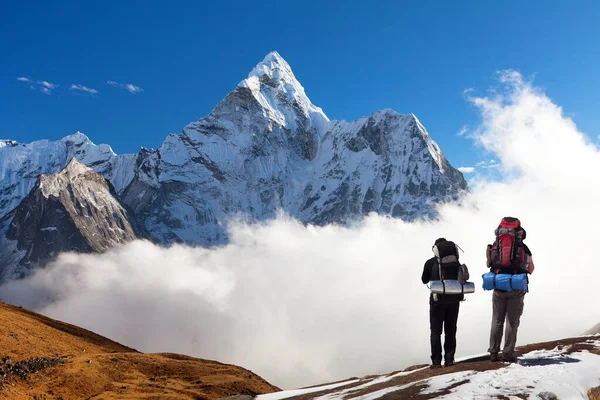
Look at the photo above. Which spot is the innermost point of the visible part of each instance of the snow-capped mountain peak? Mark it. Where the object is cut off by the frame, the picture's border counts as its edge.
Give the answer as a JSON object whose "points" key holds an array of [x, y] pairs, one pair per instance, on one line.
{"points": [[75, 209], [263, 149], [22, 163], [432, 146], [51, 185], [283, 99]]}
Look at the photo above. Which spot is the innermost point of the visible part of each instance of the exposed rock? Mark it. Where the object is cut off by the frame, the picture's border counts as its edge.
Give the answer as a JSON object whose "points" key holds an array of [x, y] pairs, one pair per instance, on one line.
{"points": [[74, 210]]}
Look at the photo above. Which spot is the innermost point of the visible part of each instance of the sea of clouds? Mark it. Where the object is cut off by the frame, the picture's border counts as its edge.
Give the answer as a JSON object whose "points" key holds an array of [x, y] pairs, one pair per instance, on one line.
{"points": [[303, 305]]}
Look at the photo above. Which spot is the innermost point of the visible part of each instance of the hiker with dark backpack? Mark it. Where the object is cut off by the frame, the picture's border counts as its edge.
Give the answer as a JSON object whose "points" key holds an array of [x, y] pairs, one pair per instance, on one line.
{"points": [[509, 259], [443, 308]]}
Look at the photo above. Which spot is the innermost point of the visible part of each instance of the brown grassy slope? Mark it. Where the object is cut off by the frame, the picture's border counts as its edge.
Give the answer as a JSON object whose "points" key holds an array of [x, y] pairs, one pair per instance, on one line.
{"points": [[41, 358]]}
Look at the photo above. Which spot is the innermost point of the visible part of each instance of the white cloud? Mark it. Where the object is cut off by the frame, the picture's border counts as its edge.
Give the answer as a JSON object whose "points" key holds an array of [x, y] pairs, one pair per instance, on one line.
{"points": [[488, 164], [466, 170], [133, 88], [44, 86], [463, 130], [128, 86], [47, 85], [85, 89], [302, 305]]}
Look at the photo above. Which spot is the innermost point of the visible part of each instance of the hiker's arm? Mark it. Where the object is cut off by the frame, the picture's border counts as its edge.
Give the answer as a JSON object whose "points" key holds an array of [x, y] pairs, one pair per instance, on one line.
{"points": [[530, 267], [425, 277]]}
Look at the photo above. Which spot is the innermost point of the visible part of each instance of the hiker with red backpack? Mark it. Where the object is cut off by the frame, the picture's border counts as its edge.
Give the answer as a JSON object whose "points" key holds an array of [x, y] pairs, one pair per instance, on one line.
{"points": [[510, 263], [443, 308]]}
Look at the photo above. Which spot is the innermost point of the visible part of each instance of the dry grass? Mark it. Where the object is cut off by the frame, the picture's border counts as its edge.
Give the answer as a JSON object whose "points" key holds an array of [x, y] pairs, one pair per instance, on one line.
{"points": [[47, 359]]}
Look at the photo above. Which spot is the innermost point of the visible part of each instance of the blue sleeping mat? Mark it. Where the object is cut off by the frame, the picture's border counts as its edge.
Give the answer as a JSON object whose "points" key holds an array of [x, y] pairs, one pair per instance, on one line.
{"points": [[505, 282]]}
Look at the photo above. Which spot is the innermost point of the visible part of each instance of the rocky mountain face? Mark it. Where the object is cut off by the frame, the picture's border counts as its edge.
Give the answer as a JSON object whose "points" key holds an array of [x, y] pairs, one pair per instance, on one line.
{"points": [[73, 210], [265, 148]]}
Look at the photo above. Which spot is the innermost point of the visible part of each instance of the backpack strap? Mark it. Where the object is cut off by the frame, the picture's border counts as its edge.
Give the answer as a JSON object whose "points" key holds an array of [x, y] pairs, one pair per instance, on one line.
{"points": [[439, 263], [496, 255]]}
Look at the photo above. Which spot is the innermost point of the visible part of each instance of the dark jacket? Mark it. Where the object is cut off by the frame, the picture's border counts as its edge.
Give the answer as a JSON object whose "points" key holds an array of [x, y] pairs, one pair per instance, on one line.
{"points": [[431, 272]]}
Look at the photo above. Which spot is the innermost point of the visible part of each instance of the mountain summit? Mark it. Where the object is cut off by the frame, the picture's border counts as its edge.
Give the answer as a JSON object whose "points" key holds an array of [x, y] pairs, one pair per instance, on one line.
{"points": [[274, 86], [73, 210], [263, 149]]}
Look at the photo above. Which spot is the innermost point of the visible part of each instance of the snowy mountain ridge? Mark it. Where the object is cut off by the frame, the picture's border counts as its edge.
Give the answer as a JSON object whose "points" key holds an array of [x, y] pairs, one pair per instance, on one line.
{"points": [[72, 210], [21, 164], [274, 86], [263, 149]]}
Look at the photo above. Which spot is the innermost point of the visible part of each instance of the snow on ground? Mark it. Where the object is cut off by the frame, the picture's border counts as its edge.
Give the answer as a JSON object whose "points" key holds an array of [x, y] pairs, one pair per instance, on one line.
{"points": [[372, 382], [567, 376], [565, 373], [299, 392]]}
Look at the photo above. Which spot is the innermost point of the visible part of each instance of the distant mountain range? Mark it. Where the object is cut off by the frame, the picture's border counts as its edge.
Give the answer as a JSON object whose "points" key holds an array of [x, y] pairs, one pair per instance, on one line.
{"points": [[264, 148]]}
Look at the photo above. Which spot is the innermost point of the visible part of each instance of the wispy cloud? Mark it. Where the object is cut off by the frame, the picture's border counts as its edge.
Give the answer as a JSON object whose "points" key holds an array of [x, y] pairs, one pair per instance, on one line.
{"points": [[47, 84], [488, 164], [131, 88], [466, 170], [84, 89], [43, 86]]}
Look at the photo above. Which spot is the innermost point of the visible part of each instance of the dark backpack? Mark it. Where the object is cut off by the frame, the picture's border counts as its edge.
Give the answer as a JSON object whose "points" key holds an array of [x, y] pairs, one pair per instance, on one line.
{"points": [[507, 254], [446, 254]]}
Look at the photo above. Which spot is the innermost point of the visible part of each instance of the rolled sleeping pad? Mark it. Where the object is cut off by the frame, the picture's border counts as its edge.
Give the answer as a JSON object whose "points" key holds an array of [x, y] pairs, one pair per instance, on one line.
{"points": [[506, 282], [451, 286]]}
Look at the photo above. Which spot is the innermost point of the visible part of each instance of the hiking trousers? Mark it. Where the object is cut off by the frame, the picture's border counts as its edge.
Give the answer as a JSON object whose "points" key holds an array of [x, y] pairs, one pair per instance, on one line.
{"points": [[506, 306], [443, 317]]}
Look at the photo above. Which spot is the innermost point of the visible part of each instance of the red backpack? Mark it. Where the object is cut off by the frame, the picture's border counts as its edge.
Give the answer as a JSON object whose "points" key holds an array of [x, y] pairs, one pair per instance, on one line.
{"points": [[507, 254]]}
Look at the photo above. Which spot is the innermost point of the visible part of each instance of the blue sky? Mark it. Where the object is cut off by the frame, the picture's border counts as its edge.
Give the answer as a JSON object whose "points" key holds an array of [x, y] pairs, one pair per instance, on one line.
{"points": [[353, 58]]}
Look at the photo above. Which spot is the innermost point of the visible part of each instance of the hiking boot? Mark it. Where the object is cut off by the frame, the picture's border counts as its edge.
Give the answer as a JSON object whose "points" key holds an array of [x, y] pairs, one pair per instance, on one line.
{"points": [[435, 365], [449, 363], [509, 358], [494, 357]]}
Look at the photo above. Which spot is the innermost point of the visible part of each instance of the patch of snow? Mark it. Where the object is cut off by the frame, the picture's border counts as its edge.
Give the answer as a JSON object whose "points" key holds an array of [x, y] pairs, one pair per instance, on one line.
{"points": [[49, 228], [299, 392], [22, 164], [379, 380], [568, 376]]}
